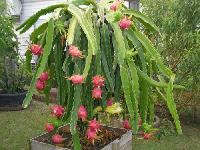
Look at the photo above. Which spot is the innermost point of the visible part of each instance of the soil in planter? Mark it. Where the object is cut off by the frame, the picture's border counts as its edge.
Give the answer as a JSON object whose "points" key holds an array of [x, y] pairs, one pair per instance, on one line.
{"points": [[105, 136]]}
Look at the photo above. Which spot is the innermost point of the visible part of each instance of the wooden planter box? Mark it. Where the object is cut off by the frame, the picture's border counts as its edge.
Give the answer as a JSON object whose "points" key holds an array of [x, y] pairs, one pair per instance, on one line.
{"points": [[123, 143]]}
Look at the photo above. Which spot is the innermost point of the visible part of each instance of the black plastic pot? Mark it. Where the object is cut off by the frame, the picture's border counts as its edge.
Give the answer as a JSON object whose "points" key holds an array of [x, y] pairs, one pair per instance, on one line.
{"points": [[12, 101]]}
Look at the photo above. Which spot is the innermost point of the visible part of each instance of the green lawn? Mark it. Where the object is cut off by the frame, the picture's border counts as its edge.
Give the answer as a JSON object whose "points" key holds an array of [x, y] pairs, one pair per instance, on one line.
{"points": [[17, 127], [190, 140]]}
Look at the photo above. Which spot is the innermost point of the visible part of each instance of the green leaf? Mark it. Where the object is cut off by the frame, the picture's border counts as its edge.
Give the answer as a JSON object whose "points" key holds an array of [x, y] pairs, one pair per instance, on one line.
{"points": [[144, 98], [142, 18], [75, 108], [138, 46], [135, 89], [38, 31], [134, 76], [127, 91], [33, 19], [153, 53], [71, 30], [88, 61], [106, 58], [172, 106], [155, 83], [44, 60], [76, 141], [28, 61], [85, 24], [120, 43], [58, 53]]}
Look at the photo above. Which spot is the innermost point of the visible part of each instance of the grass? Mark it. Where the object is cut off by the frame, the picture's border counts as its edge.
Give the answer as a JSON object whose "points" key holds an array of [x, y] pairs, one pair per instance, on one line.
{"points": [[190, 140], [17, 127]]}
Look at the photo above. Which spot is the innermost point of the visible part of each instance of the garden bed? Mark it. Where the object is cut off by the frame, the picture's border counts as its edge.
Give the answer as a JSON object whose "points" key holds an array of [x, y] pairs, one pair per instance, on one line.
{"points": [[109, 138]]}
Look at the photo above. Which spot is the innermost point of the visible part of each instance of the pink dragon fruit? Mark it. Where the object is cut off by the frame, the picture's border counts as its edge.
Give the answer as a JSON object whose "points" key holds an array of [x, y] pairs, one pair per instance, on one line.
{"points": [[115, 5], [36, 49], [44, 76], [57, 139], [96, 93], [49, 127], [109, 102], [98, 81], [147, 136], [75, 52], [91, 134], [40, 85], [94, 125], [82, 113], [126, 124], [76, 79], [125, 23], [57, 111]]}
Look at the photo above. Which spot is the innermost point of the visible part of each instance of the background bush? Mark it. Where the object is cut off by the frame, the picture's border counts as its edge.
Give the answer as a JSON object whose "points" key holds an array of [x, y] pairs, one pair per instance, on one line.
{"points": [[179, 43]]}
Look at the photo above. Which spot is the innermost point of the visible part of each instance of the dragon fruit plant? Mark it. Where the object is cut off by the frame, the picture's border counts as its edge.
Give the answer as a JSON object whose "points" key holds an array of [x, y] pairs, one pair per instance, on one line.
{"points": [[86, 42]]}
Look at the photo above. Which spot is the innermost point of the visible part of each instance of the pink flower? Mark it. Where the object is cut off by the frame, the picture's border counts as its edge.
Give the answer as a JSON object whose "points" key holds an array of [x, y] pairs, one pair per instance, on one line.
{"points": [[109, 102], [57, 111], [57, 139], [126, 124], [94, 125], [44, 76], [75, 52], [82, 113], [36, 49], [115, 5], [49, 127], [76, 79], [91, 134], [125, 23], [96, 93], [98, 81], [40, 85], [147, 136]]}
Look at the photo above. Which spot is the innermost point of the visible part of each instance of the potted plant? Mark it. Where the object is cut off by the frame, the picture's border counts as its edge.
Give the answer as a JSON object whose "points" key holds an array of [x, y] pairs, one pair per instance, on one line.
{"points": [[12, 84], [95, 51], [12, 78]]}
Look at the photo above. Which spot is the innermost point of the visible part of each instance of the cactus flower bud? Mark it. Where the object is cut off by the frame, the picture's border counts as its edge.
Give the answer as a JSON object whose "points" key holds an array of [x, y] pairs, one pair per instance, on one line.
{"points": [[91, 134], [76, 79], [125, 23], [49, 127], [36, 49], [147, 136], [98, 81], [40, 85], [57, 111], [75, 52], [82, 113], [126, 124], [94, 125], [44, 76], [96, 93], [115, 5], [57, 139], [109, 102]]}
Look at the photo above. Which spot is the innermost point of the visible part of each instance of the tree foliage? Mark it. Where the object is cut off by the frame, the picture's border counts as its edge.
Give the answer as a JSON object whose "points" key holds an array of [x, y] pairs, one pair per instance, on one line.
{"points": [[178, 21]]}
